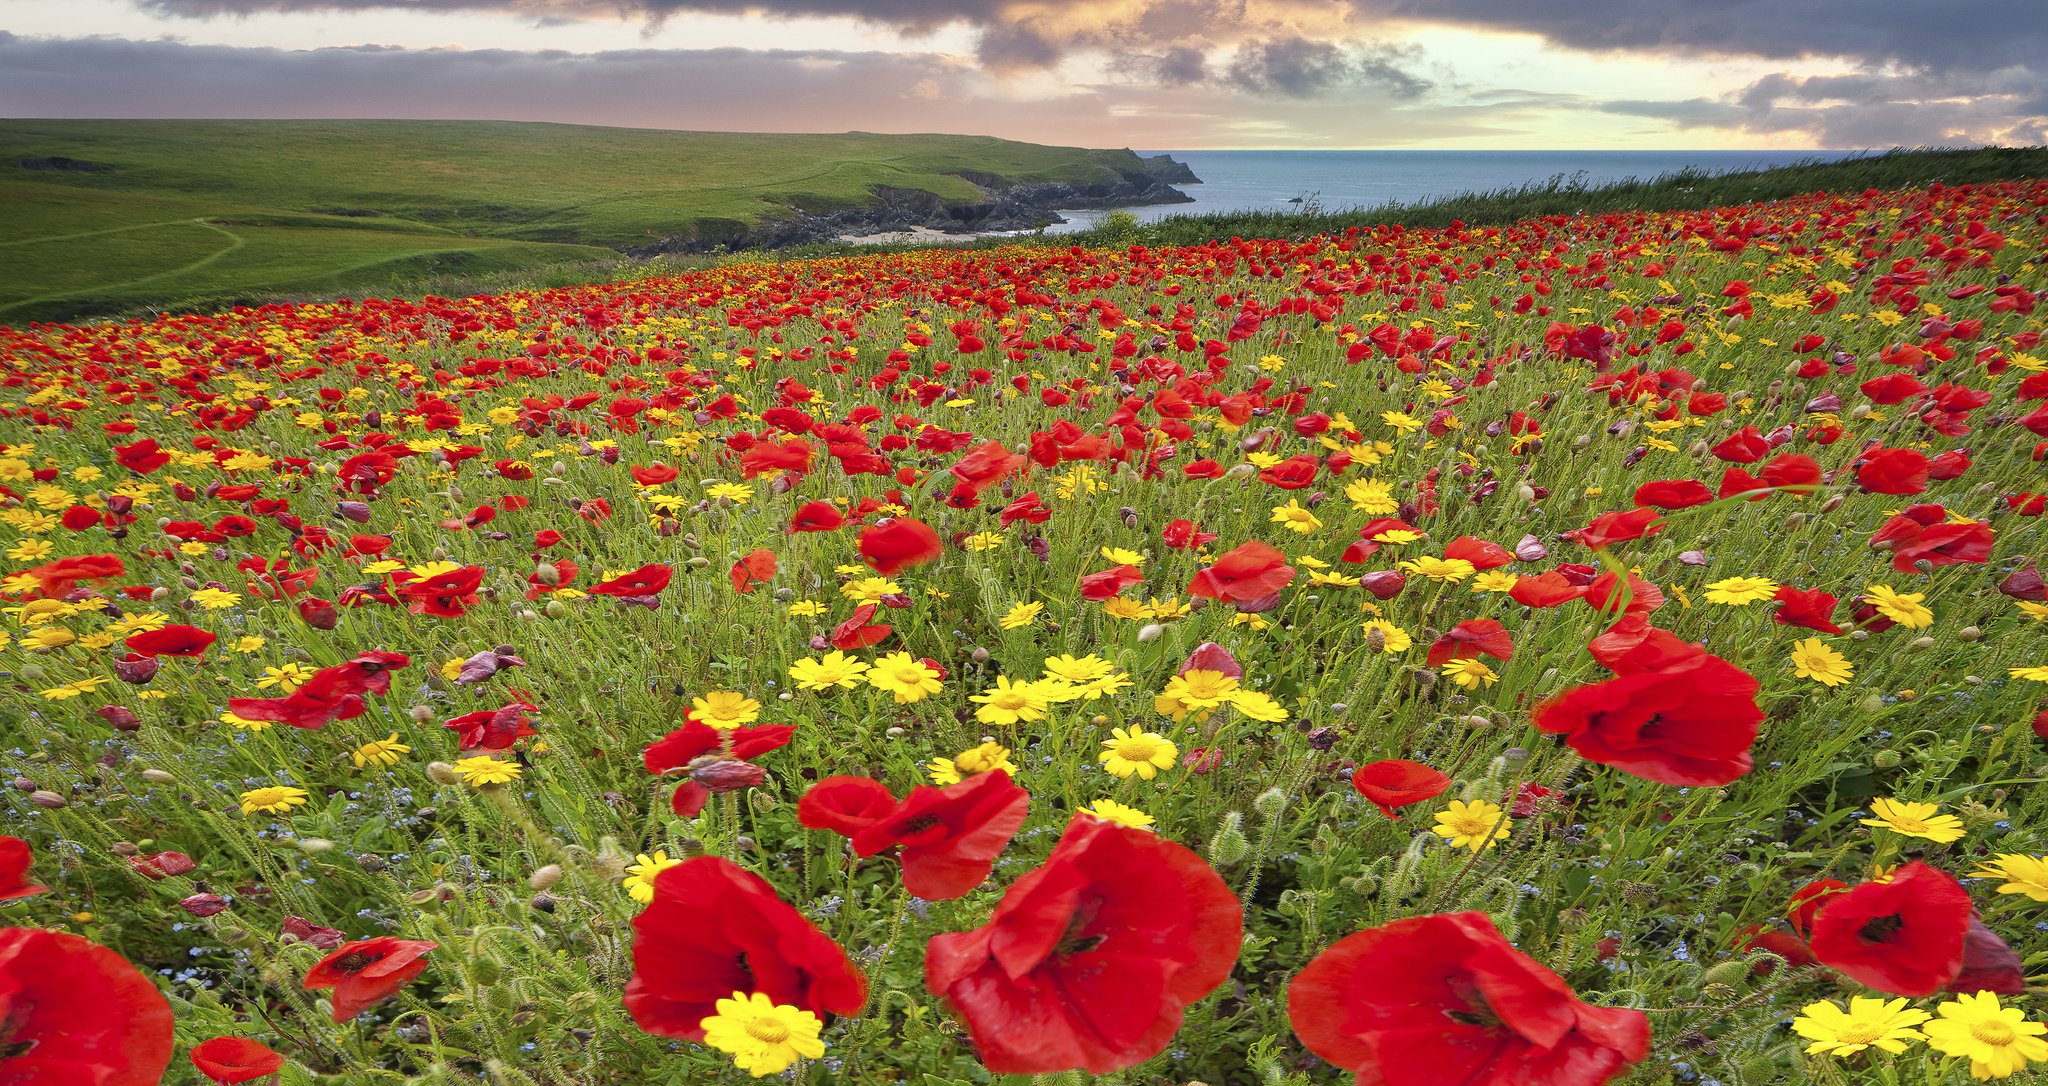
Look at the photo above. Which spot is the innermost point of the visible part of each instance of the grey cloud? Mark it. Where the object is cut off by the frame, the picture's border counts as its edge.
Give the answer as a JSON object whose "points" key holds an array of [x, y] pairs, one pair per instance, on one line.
{"points": [[1874, 109], [1977, 35], [1298, 67], [1963, 37]]}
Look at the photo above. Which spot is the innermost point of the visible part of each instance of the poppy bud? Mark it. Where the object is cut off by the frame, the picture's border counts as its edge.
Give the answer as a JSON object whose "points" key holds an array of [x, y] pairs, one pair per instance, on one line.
{"points": [[136, 669], [728, 775], [1384, 584], [203, 904], [359, 512], [47, 800], [1229, 846], [119, 718], [157, 776], [443, 773]]}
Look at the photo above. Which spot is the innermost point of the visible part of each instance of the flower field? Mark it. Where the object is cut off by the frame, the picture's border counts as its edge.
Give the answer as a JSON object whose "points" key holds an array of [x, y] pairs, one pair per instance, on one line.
{"points": [[1602, 648]]}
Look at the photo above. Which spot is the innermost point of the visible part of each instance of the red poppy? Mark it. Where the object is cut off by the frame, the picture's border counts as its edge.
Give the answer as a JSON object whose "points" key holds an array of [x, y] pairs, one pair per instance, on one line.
{"points": [[816, 517], [1027, 508], [648, 580], [1633, 645], [898, 545], [1673, 494], [858, 632], [1688, 724], [333, 693], [1293, 473], [1471, 639], [1444, 998], [1944, 545], [950, 836], [172, 640], [1549, 589], [845, 805], [714, 929], [1605, 595], [74, 1012], [1394, 783], [985, 465], [1607, 529], [493, 729], [1483, 555], [367, 972], [657, 474], [1806, 902], [1903, 936], [15, 860], [1090, 958], [444, 595], [1186, 535], [235, 1059], [1250, 572], [60, 578], [1744, 446], [1893, 471], [1811, 609], [1109, 582], [1793, 473], [684, 747], [758, 567], [143, 456]]}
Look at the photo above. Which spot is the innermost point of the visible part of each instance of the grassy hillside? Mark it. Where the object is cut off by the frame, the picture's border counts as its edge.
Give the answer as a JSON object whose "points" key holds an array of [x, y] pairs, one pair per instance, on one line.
{"points": [[109, 216]]}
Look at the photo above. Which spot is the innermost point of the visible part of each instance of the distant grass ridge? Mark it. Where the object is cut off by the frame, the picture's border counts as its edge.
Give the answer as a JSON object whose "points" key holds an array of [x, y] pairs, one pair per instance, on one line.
{"points": [[108, 217], [80, 242]]}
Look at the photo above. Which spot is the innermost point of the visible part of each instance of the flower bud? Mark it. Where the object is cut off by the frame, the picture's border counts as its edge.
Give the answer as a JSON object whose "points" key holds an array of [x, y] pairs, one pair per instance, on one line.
{"points": [[728, 775], [47, 800], [203, 905]]}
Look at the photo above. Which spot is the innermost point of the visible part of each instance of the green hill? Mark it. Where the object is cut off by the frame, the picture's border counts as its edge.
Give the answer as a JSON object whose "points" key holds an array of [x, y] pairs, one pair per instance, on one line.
{"points": [[111, 216]]}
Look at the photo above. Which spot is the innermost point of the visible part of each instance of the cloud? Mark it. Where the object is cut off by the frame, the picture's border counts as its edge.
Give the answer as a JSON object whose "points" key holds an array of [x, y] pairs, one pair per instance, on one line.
{"points": [[1874, 109], [1943, 37], [1298, 67], [723, 89]]}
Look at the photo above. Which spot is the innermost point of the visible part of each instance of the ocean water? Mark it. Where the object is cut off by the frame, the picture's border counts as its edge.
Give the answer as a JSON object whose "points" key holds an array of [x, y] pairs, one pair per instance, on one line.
{"points": [[1270, 180]]}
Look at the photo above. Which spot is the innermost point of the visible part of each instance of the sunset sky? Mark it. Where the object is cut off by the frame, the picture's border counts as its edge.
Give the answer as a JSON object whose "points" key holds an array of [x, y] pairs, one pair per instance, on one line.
{"points": [[1138, 73]]}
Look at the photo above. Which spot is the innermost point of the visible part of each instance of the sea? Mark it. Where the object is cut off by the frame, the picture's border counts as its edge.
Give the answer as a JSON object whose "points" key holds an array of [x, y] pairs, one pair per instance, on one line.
{"points": [[1343, 180]]}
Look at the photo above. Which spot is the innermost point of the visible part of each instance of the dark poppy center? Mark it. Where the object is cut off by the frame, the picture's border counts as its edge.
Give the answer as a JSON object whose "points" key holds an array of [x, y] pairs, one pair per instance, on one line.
{"points": [[13, 1018], [919, 824], [357, 961], [1882, 928], [1078, 939], [1476, 1010]]}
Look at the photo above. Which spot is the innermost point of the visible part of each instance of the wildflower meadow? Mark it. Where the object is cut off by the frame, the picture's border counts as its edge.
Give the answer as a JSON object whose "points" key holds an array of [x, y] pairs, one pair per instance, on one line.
{"points": [[1605, 647]]}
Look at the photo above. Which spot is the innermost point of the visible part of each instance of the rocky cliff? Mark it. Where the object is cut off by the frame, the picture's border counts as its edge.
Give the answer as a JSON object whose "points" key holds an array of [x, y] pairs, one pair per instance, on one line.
{"points": [[1004, 205]]}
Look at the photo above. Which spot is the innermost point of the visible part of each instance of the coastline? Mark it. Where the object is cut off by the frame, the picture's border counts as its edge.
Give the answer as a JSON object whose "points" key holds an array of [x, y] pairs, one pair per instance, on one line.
{"points": [[913, 216]]}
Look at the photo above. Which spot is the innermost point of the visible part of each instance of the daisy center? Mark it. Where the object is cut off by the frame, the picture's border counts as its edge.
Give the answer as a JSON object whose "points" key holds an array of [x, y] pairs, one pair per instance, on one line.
{"points": [[1858, 1033], [1136, 749], [1996, 1034], [768, 1031]]}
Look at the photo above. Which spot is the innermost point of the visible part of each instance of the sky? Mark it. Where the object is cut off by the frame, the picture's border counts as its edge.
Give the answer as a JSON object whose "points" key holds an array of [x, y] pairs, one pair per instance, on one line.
{"points": [[1149, 74]]}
